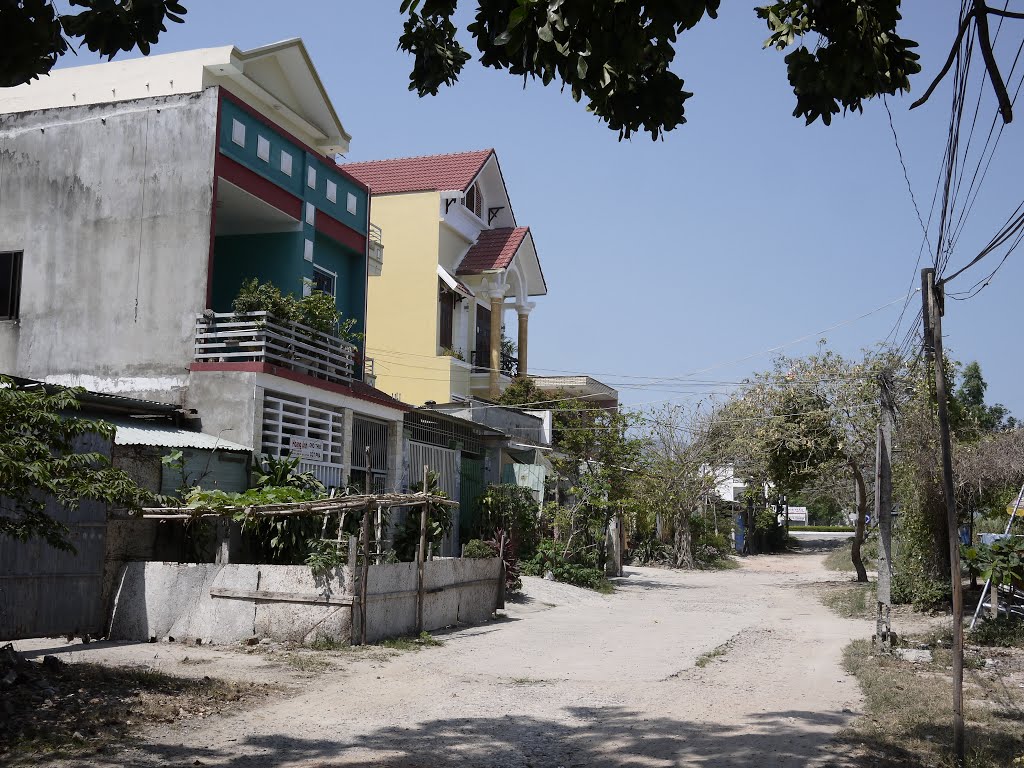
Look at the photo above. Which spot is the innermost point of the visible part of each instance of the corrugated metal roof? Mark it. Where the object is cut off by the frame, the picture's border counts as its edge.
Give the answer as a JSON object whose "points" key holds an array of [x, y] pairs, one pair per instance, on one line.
{"points": [[139, 432]]}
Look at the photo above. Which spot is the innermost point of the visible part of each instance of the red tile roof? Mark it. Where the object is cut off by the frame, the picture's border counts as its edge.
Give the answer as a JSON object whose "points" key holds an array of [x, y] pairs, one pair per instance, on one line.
{"points": [[494, 249], [420, 174]]}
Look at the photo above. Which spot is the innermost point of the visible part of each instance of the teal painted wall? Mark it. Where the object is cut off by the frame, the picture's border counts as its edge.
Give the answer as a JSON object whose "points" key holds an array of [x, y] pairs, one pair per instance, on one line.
{"points": [[350, 290], [317, 188], [276, 257]]}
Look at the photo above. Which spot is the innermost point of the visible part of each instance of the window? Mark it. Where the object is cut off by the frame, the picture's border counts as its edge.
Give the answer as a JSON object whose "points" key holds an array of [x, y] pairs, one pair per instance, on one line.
{"points": [[332, 191], [446, 300], [324, 281], [238, 132], [263, 148], [286, 163], [351, 204], [10, 285], [311, 177], [474, 200]]}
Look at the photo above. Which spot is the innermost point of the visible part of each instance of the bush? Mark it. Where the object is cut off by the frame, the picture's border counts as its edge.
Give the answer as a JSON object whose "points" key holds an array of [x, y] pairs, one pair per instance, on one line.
{"points": [[649, 550], [548, 558], [477, 550], [318, 310], [1002, 632], [711, 549], [510, 508]]}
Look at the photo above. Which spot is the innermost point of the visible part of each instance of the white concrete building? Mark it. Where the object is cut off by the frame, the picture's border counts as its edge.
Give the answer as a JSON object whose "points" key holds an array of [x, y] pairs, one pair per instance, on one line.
{"points": [[138, 195]]}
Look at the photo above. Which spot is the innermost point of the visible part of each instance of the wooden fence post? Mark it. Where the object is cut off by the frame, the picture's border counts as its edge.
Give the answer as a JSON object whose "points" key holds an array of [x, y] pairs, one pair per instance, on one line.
{"points": [[501, 572], [421, 552], [364, 534]]}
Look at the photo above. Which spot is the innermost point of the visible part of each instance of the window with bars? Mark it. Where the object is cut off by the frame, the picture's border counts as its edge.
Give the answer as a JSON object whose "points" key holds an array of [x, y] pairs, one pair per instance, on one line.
{"points": [[10, 285], [287, 416]]}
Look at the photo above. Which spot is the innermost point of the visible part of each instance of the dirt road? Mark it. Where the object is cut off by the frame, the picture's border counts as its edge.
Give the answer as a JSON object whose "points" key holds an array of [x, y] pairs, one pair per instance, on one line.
{"points": [[567, 678]]}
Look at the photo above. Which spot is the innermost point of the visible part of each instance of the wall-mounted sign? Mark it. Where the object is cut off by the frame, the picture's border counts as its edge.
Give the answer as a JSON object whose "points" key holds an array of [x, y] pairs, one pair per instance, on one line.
{"points": [[306, 448]]}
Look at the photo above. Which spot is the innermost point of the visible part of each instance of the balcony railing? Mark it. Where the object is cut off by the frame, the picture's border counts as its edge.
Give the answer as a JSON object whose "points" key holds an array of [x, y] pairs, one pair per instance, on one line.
{"points": [[375, 250], [258, 337], [509, 365]]}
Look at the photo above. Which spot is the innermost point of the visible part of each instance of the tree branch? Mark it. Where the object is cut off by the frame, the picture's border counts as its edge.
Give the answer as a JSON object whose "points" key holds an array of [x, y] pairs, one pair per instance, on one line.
{"points": [[981, 16], [949, 61]]}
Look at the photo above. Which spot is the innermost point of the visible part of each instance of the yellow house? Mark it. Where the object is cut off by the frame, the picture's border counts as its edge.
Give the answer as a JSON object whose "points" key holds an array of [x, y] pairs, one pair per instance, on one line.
{"points": [[457, 263]]}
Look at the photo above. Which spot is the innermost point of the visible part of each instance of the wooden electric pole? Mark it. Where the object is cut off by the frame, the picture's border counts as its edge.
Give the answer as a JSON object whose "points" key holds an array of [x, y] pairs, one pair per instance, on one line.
{"points": [[883, 510], [932, 315]]}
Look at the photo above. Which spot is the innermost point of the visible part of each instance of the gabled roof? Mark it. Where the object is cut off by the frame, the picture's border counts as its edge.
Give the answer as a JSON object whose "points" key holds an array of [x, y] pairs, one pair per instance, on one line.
{"points": [[280, 77], [494, 249], [428, 173]]}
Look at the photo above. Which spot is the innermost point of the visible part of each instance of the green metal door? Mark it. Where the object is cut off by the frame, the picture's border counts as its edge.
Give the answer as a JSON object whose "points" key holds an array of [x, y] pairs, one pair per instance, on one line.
{"points": [[471, 488]]}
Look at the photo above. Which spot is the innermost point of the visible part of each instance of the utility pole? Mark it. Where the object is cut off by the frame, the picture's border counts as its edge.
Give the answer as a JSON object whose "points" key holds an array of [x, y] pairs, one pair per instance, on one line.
{"points": [[932, 314], [883, 511]]}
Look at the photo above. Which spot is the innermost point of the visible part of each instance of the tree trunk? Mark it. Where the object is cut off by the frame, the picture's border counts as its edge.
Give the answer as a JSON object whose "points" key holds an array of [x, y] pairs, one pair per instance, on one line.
{"points": [[862, 511], [683, 540]]}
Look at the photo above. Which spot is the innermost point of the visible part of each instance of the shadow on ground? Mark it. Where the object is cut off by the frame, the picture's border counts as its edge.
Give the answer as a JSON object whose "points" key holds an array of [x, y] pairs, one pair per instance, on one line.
{"points": [[609, 737]]}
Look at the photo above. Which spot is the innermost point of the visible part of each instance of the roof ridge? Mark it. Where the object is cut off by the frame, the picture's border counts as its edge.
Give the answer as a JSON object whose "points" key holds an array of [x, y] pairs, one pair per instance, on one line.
{"points": [[488, 151]]}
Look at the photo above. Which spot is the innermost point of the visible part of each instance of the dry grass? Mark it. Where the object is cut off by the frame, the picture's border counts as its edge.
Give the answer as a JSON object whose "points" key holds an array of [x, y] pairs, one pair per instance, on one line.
{"points": [[852, 601], [840, 559], [706, 658], [908, 709], [89, 708]]}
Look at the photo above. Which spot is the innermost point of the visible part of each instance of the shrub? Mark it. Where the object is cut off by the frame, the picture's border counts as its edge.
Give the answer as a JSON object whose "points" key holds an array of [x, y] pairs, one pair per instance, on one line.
{"points": [[477, 550], [510, 508], [549, 558], [318, 310], [649, 550], [1001, 632]]}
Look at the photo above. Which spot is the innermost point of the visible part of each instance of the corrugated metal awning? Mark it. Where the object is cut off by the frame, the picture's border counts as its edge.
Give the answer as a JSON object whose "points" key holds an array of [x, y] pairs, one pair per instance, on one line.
{"points": [[140, 432]]}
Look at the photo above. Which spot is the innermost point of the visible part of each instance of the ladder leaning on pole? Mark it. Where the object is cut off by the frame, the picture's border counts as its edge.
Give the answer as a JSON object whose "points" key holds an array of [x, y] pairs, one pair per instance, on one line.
{"points": [[988, 582]]}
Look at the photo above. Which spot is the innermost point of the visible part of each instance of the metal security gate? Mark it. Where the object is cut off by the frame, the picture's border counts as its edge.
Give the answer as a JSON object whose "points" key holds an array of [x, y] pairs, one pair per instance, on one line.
{"points": [[373, 435], [46, 592], [472, 489], [445, 462]]}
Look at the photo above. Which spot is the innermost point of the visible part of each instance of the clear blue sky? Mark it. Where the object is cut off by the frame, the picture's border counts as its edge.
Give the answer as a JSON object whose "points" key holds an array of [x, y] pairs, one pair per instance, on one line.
{"points": [[742, 230]]}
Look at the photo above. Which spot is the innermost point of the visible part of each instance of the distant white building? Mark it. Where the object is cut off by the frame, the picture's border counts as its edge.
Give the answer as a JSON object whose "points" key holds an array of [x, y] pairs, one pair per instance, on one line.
{"points": [[799, 516]]}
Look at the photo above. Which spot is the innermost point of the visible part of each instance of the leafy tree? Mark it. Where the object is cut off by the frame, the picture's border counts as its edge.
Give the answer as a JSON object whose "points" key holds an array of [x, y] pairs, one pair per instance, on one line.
{"points": [[677, 476], [811, 423], [33, 34], [48, 453], [976, 416], [617, 56], [595, 459]]}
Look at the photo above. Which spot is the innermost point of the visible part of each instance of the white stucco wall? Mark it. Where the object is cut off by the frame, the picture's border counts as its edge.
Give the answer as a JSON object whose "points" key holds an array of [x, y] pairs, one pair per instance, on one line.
{"points": [[111, 205]]}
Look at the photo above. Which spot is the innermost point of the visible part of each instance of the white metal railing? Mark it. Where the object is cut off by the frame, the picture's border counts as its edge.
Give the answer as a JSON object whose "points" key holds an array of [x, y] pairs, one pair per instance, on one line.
{"points": [[259, 337], [375, 235]]}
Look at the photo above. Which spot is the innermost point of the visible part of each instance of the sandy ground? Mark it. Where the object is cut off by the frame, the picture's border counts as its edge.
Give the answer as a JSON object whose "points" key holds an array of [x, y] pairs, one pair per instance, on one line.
{"points": [[566, 678]]}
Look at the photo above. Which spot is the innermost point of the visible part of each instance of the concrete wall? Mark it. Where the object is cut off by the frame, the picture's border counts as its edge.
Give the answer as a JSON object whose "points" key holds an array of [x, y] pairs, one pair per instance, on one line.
{"points": [[111, 204], [160, 600], [173, 600], [458, 591]]}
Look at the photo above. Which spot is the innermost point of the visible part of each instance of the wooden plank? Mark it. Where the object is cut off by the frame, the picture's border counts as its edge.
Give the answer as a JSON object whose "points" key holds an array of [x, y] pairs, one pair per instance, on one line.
{"points": [[277, 597]]}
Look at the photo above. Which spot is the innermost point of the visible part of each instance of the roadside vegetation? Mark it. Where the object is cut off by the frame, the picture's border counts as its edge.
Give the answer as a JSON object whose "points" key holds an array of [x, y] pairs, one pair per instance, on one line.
{"points": [[906, 720], [72, 711]]}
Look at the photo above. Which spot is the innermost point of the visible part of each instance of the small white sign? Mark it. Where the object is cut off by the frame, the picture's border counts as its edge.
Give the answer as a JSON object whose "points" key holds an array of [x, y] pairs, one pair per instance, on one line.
{"points": [[306, 448]]}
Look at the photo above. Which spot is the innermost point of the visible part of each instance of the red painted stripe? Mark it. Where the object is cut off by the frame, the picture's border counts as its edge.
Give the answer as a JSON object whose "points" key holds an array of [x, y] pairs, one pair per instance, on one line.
{"points": [[326, 161], [339, 232], [266, 190]]}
